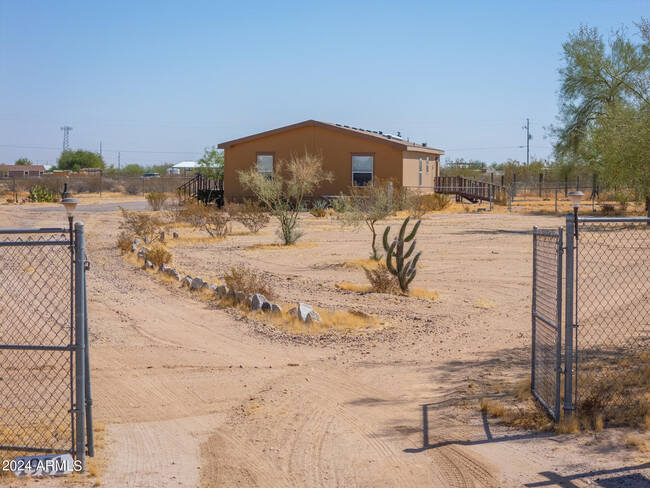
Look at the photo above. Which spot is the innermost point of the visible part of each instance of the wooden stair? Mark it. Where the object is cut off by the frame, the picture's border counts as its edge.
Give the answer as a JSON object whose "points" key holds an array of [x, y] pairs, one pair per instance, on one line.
{"points": [[203, 189]]}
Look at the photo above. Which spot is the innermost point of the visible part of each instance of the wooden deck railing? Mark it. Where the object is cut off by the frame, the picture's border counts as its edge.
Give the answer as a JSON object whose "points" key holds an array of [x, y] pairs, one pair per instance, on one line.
{"points": [[466, 188], [199, 184]]}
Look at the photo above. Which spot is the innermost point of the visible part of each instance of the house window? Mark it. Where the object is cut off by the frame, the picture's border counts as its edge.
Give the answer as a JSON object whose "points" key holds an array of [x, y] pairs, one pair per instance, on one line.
{"points": [[427, 164], [362, 169], [265, 164], [420, 173]]}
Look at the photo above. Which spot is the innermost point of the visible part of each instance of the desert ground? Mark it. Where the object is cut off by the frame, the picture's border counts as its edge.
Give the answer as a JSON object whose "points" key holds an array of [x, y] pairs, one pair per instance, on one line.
{"points": [[192, 394]]}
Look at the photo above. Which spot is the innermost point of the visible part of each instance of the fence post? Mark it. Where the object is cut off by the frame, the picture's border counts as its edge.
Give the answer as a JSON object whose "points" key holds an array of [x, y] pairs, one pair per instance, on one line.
{"points": [[556, 197], [89, 399], [80, 358], [568, 320], [532, 310], [491, 197], [510, 200], [100, 186]]}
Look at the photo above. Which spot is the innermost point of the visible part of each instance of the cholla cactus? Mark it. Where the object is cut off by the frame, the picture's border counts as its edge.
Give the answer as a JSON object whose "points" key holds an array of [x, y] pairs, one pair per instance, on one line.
{"points": [[403, 269]]}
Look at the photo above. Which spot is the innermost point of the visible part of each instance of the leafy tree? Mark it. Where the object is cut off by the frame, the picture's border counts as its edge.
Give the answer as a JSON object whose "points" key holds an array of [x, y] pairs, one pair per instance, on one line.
{"points": [[369, 205], [23, 162], [76, 160], [597, 75], [211, 163], [133, 170], [621, 143], [284, 193]]}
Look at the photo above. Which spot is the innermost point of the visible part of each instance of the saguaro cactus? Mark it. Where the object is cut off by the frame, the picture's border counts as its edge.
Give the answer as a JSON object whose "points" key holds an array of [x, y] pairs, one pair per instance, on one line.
{"points": [[403, 269]]}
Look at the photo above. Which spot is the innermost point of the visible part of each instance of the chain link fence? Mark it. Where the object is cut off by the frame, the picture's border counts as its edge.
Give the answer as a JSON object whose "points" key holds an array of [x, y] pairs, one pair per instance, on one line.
{"points": [[547, 319], [42, 341], [612, 313]]}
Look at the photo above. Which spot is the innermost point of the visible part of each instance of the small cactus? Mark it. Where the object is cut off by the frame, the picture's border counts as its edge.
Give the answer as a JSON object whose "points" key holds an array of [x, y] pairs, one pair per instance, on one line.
{"points": [[403, 269]]}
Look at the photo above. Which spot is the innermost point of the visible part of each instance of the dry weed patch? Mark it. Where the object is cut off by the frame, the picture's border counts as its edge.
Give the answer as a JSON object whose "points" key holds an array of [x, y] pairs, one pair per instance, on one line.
{"points": [[281, 247], [421, 293], [637, 441], [484, 304], [360, 263], [192, 240], [341, 321]]}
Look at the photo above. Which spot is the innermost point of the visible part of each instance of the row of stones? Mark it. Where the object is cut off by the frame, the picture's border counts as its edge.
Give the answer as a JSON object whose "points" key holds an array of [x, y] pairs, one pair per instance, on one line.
{"points": [[256, 301]]}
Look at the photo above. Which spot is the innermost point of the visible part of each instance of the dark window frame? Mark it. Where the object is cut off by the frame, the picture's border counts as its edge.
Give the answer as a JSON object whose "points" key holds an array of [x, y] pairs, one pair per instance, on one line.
{"points": [[372, 171]]}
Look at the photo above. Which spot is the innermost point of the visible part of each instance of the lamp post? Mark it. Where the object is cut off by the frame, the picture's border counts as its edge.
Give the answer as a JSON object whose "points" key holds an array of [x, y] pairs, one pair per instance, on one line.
{"points": [[575, 197], [70, 204]]}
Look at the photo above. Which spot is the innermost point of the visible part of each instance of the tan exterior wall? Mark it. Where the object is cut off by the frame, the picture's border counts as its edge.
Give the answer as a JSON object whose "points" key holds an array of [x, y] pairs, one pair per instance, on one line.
{"points": [[336, 147], [411, 166]]}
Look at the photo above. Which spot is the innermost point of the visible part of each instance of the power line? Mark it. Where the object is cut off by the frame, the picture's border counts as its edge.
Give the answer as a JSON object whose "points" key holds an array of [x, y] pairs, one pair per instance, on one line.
{"points": [[104, 150]]}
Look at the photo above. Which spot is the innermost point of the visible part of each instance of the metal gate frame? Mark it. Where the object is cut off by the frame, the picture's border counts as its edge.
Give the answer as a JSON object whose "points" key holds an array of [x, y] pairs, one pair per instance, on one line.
{"points": [[554, 323], [571, 349], [81, 403]]}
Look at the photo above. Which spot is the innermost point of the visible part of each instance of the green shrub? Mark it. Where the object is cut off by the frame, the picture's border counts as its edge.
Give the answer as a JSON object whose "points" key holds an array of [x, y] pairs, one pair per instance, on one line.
{"points": [[319, 208], [42, 194], [143, 225]]}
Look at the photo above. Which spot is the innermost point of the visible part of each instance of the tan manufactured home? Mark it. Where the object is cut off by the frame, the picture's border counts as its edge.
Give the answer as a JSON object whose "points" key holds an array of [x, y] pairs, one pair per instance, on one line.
{"points": [[355, 156]]}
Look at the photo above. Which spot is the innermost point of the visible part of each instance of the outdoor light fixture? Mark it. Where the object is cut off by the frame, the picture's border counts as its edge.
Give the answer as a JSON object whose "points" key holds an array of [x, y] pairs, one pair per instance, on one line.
{"points": [[70, 204], [575, 197]]}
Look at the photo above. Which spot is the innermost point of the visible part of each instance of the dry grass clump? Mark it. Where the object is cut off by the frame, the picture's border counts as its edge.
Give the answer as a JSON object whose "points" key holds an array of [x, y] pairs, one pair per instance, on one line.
{"points": [[156, 200], [341, 321], [124, 242], [247, 281], [424, 294], [361, 263], [492, 407], [382, 280], [637, 441], [354, 287], [158, 255], [483, 303]]}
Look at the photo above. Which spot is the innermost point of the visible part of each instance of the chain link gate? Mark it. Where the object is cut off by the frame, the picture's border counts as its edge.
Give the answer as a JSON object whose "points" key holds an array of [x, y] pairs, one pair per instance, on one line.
{"points": [[547, 319], [44, 364], [611, 362]]}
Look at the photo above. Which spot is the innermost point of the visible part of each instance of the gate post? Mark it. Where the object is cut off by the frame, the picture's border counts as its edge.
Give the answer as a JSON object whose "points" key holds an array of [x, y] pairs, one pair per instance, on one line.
{"points": [[568, 319], [79, 347]]}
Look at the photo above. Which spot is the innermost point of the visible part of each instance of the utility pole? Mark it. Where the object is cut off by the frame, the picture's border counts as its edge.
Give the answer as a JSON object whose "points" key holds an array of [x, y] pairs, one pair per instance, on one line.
{"points": [[66, 131], [118, 161], [528, 138], [100, 148]]}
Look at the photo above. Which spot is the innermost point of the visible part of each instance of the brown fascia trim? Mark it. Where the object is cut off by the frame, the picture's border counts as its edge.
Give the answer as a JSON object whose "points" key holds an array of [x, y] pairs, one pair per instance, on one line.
{"points": [[325, 125], [428, 150]]}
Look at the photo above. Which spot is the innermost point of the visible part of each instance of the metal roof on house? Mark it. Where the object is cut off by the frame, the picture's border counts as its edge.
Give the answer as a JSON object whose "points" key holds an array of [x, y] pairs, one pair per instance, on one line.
{"points": [[378, 136], [185, 164]]}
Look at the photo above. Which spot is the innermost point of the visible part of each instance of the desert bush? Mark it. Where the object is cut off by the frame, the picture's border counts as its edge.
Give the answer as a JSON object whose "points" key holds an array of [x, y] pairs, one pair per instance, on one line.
{"points": [[158, 255], [501, 198], [418, 204], [319, 208], [41, 194], [340, 204], [83, 184], [143, 225], [213, 220], [250, 214], [156, 200], [381, 280], [132, 186], [124, 242], [284, 192], [370, 205], [247, 281], [608, 208]]}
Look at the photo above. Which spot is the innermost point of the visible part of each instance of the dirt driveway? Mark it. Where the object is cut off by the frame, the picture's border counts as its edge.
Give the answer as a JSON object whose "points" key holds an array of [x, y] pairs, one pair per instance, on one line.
{"points": [[192, 395]]}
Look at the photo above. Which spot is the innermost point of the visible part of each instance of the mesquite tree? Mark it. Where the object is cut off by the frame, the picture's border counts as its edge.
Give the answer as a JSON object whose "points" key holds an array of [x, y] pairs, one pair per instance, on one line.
{"points": [[403, 269]]}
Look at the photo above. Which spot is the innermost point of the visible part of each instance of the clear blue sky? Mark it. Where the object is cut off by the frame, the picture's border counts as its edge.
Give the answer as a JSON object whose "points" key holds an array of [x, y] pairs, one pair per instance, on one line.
{"points": [[160, 80]]}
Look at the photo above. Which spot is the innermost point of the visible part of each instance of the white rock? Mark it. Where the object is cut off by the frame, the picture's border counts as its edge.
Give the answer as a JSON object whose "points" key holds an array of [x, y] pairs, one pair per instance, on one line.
{"points": [[313, 317], [303, 311], [258, 301]]}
